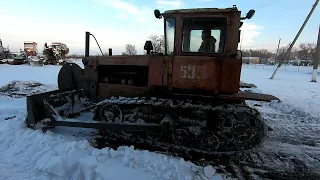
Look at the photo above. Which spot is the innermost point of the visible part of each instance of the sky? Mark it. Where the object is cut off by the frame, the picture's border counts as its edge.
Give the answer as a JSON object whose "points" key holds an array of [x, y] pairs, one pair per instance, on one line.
{"points": [[116, 23]]}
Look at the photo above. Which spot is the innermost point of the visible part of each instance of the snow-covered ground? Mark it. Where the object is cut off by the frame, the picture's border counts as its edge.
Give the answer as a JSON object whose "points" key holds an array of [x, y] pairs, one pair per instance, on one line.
{"points": [[292, 146], [292, 150], [31, 154]]}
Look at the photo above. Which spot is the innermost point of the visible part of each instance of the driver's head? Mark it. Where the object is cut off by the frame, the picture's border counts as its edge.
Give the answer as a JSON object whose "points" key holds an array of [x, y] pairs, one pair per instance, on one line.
{"points": [[205, 33]]}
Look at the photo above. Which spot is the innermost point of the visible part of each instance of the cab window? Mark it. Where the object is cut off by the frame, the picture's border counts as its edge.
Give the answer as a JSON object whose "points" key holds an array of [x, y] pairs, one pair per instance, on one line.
{"points": [[204, 35], [28, 45], [170, 30]]}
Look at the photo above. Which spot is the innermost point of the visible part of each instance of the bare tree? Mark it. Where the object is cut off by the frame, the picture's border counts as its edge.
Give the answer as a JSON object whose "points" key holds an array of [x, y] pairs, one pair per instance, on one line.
{"points": [[283, 50], [294, 53], [302, 51], [312, 50], [261, 53], [130, 49], [158, 43], [306, 51]]}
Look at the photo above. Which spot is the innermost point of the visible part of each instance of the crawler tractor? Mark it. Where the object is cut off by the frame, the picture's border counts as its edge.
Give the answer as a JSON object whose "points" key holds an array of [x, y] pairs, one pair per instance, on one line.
{"points": [[30, 48], [55, 53], [181, 98], [4, 52]]}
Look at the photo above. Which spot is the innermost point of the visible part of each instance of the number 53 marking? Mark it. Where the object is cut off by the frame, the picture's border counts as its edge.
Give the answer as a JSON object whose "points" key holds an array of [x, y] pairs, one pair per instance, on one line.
{"points": [[188, 72]]}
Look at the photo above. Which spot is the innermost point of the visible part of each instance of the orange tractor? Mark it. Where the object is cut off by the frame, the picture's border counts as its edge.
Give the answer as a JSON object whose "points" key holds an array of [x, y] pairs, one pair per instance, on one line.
{"points": [[30, 48], [187, 98]]}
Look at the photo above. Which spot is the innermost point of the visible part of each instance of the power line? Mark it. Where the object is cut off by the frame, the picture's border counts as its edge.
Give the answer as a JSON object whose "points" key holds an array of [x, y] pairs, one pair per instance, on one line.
{"points": [[270, 2], [264, 3]]}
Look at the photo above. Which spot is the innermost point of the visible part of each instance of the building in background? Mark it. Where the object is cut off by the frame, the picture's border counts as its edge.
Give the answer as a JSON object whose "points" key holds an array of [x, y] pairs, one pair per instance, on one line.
{"points": [[251, 60]]}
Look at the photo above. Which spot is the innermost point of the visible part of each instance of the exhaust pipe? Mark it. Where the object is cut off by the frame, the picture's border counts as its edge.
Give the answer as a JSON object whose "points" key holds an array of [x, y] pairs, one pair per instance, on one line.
{"points": [[87, 44]]}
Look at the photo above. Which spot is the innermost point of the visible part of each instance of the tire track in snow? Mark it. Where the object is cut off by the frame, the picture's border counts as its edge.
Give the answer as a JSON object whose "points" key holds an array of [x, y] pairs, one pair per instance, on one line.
{"points": [[290, 152]]}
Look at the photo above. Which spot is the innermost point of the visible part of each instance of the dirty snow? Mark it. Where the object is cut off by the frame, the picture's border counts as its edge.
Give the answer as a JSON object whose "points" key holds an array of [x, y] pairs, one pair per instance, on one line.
{"points": [[292, 150], [292, 146]]}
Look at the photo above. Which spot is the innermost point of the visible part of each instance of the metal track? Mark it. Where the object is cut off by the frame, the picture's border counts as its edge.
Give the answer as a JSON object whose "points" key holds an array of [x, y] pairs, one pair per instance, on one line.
{"points": [[220, 126], [193, 127]]}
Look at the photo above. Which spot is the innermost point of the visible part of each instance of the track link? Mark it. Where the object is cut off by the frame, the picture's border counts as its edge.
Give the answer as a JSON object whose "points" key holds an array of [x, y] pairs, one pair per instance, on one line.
{"points": [[195, 128]]}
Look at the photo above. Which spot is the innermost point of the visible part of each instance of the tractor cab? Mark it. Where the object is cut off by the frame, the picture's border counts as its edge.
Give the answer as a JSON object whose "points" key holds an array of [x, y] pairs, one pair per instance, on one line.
{"points": [[201, 56], [203, 31]]}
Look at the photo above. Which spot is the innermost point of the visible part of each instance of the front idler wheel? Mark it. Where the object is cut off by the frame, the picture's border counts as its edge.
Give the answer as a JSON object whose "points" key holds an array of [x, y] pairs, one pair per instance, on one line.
{"points": [[180, 136], [210, 141], [111, 113]]}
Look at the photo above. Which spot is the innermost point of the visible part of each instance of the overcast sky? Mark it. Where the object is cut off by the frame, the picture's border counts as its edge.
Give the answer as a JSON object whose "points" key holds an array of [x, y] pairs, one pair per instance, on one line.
{"points": [[118, 22]]}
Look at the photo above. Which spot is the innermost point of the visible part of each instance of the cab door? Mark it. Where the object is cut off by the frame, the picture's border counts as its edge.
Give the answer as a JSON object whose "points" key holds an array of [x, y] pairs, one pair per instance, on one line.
{"points": [[195, 73]]}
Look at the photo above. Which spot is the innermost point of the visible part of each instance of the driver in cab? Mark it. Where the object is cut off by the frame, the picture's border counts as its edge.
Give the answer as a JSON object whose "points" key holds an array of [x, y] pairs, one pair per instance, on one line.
{"points": [[208, 42]]}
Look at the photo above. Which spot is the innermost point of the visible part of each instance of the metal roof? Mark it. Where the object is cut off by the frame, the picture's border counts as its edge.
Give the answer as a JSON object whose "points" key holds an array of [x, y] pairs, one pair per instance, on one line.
{"points": [[201, 10], [29, 42]]}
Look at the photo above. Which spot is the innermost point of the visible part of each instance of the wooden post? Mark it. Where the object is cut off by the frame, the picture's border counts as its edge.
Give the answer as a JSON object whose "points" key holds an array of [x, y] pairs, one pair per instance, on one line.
{"points": [[316, 60]]}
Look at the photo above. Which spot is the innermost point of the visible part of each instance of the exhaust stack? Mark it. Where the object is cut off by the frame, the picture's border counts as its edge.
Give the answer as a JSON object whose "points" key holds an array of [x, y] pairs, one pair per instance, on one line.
{"points": [[87, 44]]}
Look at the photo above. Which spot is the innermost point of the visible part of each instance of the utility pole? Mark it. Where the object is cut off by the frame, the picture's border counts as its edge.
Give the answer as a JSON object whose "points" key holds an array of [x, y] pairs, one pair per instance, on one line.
{"points": [[278, 48], [295, 39], [316, 60], [241, 41]]}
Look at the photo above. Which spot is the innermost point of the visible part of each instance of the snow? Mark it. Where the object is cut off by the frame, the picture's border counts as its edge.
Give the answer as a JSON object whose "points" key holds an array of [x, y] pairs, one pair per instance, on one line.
{"points": [[291, 84], [209, 171], [59, 154], [43, 74]]}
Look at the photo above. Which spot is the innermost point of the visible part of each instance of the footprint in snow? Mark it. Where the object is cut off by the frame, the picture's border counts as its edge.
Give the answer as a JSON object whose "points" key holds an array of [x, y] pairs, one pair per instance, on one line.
{"points": [[10, 117]]}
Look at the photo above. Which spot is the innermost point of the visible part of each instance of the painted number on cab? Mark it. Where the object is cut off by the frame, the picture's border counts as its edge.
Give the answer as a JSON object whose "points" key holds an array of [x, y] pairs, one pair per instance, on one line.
{"points": [[190, 72]]}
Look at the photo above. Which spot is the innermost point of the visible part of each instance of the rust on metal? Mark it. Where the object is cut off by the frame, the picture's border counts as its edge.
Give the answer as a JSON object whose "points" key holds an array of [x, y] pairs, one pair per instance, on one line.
{"points": [[200, 10], [195, 73], [167, 75], [230, 75], [235, 96], [250, 96], [247, 85], [156, 71], [108, 90], [136, 60]]}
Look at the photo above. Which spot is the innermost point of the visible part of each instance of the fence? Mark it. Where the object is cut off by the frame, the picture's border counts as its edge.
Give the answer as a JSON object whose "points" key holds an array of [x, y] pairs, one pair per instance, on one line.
{"points": [[284, 67]]}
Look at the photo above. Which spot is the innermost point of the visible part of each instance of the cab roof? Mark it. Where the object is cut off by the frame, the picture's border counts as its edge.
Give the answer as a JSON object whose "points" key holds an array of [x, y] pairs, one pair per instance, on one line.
{"points": [[29, 42], [201, 10]]}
